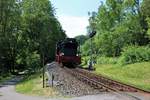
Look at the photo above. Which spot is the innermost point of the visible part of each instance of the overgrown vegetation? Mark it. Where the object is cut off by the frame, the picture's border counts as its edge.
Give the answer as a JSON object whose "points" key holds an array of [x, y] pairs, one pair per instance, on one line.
{"points": [[133, 54], [122, 28], [106, 60]]}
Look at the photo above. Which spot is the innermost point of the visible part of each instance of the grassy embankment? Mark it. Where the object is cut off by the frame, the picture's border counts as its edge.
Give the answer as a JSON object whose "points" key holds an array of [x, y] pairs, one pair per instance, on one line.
{"points": [[33, 86], [137, 74]]}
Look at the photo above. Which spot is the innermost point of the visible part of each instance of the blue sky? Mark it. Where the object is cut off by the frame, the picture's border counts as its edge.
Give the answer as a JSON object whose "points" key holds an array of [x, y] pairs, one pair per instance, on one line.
{"points": [[73, 14]]}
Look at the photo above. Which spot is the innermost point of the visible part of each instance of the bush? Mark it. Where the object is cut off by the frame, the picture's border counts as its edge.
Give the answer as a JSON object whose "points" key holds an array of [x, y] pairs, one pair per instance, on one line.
{"points": [[85, 60], [33, 61], [99, 60], [106, 60], [133, 54]]}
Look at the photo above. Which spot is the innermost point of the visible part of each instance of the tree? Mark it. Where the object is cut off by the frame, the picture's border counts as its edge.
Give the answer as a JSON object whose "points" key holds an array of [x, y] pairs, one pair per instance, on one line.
{"points": [[42, 27], [145, 12], [118, 23], [29, 31], [81, 39], [9, 31]]}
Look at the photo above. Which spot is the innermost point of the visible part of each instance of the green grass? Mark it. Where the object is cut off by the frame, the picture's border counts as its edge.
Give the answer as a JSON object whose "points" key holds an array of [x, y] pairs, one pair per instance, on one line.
{"points": [[33, 86], [3, 79], [137, 74]]}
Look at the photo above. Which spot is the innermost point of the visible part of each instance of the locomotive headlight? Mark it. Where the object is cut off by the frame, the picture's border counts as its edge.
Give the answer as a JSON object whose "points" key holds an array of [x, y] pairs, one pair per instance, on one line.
{"points": [[62, 54]]}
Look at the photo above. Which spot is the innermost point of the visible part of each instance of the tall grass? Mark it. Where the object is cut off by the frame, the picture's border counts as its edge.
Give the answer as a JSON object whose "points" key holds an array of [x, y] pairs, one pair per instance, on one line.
{"points": [[33, 85], [107, 60], [137, 74]]}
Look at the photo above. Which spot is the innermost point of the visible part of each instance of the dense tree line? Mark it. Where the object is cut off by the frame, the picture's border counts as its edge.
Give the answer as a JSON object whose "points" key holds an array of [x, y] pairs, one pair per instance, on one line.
{"points": [[29, 31], [119, 23]]}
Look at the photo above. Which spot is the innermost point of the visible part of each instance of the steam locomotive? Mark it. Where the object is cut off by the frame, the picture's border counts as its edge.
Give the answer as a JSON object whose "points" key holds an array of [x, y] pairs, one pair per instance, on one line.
{"points": [[67, 52]]}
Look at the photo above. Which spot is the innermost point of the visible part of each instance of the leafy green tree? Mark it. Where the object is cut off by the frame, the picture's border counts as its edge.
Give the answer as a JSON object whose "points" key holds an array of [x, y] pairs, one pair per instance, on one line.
{"points": [[29, 31], [145, 12], [42, 27], [118, 23], [9, 31], [81, 39]]}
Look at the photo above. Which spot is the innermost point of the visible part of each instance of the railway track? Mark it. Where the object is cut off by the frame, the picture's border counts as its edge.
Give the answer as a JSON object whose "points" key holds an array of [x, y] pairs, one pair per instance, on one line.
{"points": [[101, 82]]}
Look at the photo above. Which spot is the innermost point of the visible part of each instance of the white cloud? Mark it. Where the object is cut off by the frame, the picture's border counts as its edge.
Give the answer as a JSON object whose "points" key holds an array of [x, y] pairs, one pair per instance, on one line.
{"points": [[73, 25]]}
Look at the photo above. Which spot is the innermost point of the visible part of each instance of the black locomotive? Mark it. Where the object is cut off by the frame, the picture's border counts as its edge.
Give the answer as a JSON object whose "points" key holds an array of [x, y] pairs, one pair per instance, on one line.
{"points": [[67, 52]]}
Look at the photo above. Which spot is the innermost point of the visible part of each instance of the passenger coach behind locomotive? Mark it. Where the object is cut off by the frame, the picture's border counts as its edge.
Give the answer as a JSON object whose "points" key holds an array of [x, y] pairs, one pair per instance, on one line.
{"points": [[66, 52]]}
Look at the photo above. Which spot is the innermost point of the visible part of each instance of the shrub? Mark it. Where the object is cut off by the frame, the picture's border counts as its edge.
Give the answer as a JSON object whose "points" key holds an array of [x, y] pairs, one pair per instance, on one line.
{"points": [[106, 60], [99, 60], [85, 60], [133, 54]]}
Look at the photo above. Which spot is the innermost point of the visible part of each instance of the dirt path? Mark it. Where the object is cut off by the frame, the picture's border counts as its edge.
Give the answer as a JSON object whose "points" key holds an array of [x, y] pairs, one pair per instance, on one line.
{"points": [[7, 91]]}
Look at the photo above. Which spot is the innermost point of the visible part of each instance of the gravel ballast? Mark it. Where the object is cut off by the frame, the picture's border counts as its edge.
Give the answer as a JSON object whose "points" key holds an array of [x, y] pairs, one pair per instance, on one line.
{"points": [[67, 84]]}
